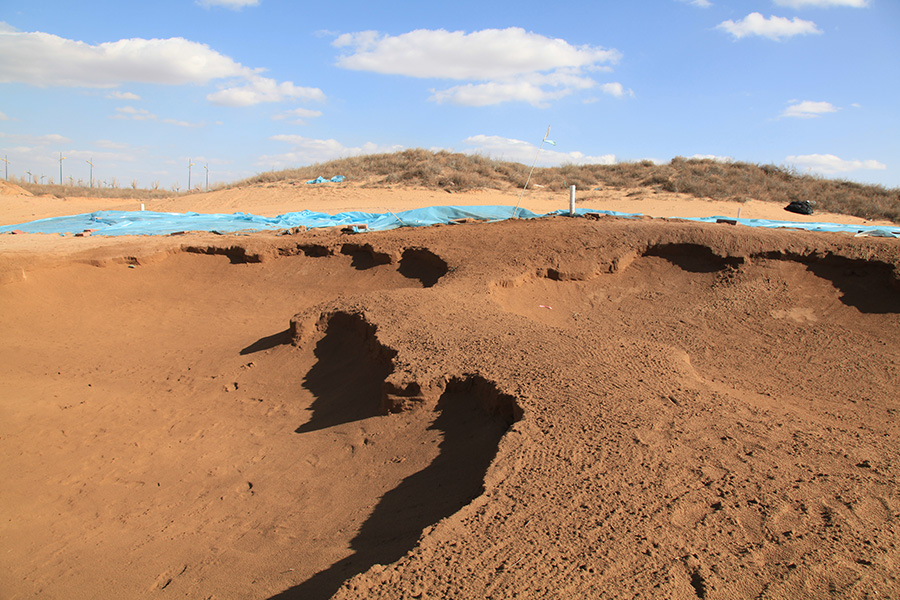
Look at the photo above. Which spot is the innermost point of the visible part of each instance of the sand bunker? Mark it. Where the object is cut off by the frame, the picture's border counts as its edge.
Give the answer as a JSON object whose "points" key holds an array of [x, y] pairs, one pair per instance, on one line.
{"points": [[556, 408]]}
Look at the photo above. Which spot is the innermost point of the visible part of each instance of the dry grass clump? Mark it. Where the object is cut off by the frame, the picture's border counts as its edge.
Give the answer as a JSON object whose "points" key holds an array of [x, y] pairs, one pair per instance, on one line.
{"points": [[415, 167], [703, 178], [80, 191]]}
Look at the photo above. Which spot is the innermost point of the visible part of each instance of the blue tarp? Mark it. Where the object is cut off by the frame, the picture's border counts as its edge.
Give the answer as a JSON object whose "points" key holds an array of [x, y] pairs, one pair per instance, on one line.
{"points": [[320, 179], [157, 223]]}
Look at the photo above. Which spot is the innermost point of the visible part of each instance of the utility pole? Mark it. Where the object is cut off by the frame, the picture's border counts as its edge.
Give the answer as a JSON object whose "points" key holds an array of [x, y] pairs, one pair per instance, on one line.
{"points": [[190, 164], [6, 174], [30, 176], [61, 158], [206, 166], [91, 162]]}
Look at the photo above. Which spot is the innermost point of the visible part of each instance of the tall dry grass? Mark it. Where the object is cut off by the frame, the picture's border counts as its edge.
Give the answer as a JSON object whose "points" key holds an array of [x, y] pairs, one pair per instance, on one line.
{"points": [[702, 178], [83, 191]]}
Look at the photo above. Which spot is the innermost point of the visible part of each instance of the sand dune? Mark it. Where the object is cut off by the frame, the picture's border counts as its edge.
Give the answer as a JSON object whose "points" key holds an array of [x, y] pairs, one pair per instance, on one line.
{"points": [[564, 408]]}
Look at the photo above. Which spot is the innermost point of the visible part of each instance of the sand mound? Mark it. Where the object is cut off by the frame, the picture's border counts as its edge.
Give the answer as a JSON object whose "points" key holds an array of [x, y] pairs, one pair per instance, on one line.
{"points": [[562, 407], [11, 189]]}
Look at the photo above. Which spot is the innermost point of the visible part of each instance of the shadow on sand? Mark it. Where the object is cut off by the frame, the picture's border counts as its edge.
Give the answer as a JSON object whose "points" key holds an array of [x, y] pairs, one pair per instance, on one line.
{"points": [[471, 416]]}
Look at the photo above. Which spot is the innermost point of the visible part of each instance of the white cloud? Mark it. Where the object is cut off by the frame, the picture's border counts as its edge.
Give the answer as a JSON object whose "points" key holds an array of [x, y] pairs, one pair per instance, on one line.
{"points": [[43, 59], [7, 28], [297, 116], [116, 95], [52, 138], [501, 65], [305, 151], [497, 92], [486, 54], [136, 114], [822, 3], [616, 89], [808, 109], [3, 117], [262, 89], [232, 4], [502, 148], [698, 3], [774, 28], [829, 164]]}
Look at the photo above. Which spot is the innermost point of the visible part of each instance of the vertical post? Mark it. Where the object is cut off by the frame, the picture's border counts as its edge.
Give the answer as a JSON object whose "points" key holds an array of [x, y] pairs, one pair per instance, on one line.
{"points": [[190, 164], [61, 158], [206, 166], [571, 200], [91, 162], [6, 164]]}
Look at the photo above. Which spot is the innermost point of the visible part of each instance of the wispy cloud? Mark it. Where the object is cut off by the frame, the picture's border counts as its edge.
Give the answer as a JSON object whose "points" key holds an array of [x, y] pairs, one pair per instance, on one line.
{"points": [[232, 4], [698, 3], [808, 109], [822, 3], [110, 145], [135, 114], [511, 149], [829, 164], [297, 116], [774, 28], [142, 114], [501, 65], [3, 117], [117, 95], [715, 157], [304, 151]]}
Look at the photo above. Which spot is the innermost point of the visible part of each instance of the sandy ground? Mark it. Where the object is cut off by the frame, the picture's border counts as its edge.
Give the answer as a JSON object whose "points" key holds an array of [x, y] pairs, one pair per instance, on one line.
{"points": [[560, 408]]}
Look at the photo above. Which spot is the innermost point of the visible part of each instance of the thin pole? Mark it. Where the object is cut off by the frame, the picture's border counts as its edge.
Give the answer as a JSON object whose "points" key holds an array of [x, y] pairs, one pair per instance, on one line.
{"points": [[6, 174], [61, 158], [91, 162], [206, 166], [190, 164], [543, 141]]}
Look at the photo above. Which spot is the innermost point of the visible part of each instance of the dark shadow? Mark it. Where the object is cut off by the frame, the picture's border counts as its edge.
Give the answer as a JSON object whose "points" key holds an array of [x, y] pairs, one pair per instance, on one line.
{"points": [[281, 338], [315, 250], [693, 258], [869, 286], [422, 264], [472, 417], [364, 256], [349, 373], [238, 255]]}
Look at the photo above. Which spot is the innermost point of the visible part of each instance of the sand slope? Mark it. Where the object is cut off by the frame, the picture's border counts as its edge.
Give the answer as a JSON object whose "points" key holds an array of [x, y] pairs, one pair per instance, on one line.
{"points": [[557, 408]]}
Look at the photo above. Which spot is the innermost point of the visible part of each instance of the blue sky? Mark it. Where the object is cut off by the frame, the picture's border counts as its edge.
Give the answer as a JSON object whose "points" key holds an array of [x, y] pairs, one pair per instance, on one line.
{"points": [[142, 89]]}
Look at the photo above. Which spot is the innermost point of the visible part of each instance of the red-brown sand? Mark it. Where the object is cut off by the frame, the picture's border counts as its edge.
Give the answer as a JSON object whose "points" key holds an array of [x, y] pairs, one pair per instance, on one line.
{"points": [[557, 408]]}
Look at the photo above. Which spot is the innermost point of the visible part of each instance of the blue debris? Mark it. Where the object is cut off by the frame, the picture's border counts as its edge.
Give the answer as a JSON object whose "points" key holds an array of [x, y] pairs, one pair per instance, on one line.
{"points": [[159, 223], [320, 179]]}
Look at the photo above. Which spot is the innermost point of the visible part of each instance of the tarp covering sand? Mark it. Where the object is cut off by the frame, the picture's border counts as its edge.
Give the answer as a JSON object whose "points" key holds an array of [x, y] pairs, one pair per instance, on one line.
{"points": [[160, 223]]}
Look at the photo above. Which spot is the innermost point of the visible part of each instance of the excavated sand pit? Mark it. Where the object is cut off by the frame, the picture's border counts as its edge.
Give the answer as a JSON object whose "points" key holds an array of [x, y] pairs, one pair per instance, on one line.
{"points": [[553, 408]]}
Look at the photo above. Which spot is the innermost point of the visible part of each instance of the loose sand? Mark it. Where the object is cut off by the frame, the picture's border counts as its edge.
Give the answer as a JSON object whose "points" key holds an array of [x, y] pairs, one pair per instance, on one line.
{"points": [[559, 408]]}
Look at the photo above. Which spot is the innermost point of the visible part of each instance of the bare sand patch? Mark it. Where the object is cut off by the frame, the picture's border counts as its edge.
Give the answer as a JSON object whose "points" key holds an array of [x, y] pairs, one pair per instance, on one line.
{"points": [[561, 407]]}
